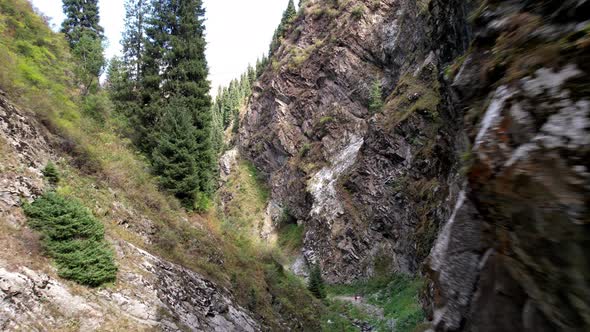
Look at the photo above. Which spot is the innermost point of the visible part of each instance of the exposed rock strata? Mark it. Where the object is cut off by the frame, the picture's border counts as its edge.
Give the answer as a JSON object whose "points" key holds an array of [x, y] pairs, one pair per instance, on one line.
{"points": [[371, 189], [515, 254]]}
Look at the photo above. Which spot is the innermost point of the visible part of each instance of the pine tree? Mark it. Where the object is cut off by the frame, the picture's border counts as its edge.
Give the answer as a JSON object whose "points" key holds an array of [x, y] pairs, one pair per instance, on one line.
{"points": [[85, 36], [288, 15], [316, 283], [133, 40], [251, 74], [376, 104], [82, 16], [174, 158]]}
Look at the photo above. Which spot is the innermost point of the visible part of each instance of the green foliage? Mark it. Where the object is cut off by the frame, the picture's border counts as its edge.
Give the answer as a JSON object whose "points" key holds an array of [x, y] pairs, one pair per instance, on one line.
{"points": [[376, 104], [357, 12], [82, 18], [397, 295], [176, 157], [281, 31], [89, 53], [304, 150], [74, 238], [85, 36], [290, 237], [316, 282], [51, 174], [35, 64], [97, 106]]}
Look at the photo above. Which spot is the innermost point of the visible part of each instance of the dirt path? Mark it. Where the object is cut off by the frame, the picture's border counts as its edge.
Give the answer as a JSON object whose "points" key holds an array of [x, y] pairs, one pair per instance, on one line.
{"points": [[360, 303]]}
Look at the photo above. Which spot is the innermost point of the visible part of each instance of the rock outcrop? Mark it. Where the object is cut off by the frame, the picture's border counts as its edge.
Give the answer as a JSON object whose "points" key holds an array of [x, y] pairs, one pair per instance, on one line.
{"points": [[370, 187], [514, 254]]}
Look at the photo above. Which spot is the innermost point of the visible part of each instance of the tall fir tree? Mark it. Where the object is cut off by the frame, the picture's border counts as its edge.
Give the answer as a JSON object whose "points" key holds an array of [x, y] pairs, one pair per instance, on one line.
{"points": [[85, 36], [288, 16], [82, 16], [186, 79], [133, 39], [174, 158]]}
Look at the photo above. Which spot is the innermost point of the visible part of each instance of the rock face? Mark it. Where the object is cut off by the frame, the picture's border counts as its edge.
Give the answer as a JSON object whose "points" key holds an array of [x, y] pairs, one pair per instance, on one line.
{"points": [[373, 187], [150, 293], [370, 187], [514, 254]]}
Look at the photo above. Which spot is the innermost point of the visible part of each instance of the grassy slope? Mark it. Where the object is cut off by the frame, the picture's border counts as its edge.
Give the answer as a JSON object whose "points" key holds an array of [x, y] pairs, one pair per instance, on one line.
{"points": [[100, 169], [396, 295]]}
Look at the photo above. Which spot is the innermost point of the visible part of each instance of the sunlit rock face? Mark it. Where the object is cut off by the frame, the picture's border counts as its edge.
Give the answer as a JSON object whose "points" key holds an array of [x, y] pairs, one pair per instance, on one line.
{"points": [[371, 187], [514, 254]]}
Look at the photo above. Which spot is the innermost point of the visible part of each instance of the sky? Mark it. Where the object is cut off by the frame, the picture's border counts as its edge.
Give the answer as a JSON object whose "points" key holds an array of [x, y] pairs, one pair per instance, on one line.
{"points": [[238, 31]]}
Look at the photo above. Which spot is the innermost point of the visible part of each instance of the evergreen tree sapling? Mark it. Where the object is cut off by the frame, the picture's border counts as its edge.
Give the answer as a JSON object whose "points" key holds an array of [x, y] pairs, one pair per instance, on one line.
{"points": [[51, 174], [74, 238], [316, 282], [376, 104]]}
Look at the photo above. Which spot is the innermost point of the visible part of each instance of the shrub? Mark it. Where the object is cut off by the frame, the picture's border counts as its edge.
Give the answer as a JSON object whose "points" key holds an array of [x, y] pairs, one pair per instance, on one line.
{"points": [[51, 174], [376, 104], [304, 150], [357, 12], [74, 238], [316, 283]]}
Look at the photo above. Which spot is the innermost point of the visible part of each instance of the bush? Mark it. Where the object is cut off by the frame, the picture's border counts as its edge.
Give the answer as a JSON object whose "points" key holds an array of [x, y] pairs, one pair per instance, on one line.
{"points": [[376, 104], [316, 283], [357, 12], [51, 174], [74, 238]]}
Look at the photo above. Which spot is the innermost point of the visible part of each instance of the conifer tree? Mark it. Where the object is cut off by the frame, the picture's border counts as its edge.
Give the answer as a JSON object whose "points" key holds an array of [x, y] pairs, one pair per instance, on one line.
{"points": [[85, 36], [133, 40], [174, 158], [288, 16], [376, 98], [82, 16], [316, 283], [185, 88], [251, 74]]}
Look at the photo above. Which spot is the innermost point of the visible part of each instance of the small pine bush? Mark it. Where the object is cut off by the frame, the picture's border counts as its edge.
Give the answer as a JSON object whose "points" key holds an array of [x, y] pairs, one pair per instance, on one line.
{"points": [[376, 104], [74, 238], [51, 174], [316, 283]]}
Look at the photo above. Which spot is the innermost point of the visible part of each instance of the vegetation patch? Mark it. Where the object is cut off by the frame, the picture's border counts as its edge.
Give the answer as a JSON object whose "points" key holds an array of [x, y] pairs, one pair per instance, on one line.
{"points": [[74, 238], [411, 95], [397, 296]]}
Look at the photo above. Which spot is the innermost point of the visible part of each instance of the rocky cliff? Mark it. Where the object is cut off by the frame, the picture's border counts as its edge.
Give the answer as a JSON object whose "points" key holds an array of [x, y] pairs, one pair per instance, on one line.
{"points": [[371, 187], [484, 129], [514, 254]]}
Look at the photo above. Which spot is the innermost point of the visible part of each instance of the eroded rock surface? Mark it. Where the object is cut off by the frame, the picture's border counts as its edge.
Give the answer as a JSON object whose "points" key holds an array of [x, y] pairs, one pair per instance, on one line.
{"points": [[369, 186], [514, 256]]}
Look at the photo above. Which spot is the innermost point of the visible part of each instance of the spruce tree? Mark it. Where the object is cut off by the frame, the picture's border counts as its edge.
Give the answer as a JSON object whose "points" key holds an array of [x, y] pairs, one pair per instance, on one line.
{"points": [[174, 158], [133, 39], [315, 283], [85, 36], [82, 16], [376, 104], [288, 16]]}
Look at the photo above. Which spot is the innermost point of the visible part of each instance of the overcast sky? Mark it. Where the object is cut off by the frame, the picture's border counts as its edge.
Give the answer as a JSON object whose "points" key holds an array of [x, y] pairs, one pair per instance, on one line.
{"points": [[238, 31]]}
